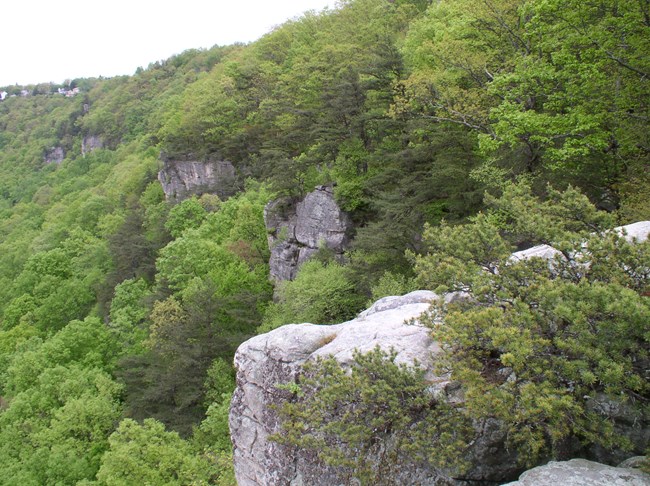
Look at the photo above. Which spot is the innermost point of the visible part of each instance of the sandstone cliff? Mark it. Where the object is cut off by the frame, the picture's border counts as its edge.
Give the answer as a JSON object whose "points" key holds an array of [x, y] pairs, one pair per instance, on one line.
{"points": [[181, 179], [276, 357]]}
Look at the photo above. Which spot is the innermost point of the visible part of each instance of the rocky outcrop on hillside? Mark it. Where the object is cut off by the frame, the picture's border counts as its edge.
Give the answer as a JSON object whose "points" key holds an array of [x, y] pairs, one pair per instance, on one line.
{"points": [[633, 232], [181, 179], [91, 143], [276, 357], [54, 155], [297, 230], [580, 472]]}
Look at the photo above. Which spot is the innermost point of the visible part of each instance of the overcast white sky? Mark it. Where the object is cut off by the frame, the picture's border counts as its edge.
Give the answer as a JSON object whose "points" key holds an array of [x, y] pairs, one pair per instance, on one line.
{"points": [[49, 40]]}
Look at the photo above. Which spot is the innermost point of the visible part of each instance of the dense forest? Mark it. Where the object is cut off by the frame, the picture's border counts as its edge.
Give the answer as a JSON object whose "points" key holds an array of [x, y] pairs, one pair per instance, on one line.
{"points": [[436, 122]]}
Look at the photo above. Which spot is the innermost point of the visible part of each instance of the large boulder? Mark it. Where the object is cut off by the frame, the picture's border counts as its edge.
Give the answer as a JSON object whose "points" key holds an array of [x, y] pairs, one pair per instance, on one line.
{"points": [[181, 179], [635, 232], [580, 472], [277, 357], [297, 230]]}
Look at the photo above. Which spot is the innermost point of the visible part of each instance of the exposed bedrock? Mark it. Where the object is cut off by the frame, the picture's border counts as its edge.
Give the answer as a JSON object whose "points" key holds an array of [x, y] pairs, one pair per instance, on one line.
{"points": [[277, 357]]}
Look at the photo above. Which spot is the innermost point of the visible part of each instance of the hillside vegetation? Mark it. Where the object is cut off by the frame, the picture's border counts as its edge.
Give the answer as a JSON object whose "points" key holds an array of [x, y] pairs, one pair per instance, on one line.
{"points": [[120, 312]]}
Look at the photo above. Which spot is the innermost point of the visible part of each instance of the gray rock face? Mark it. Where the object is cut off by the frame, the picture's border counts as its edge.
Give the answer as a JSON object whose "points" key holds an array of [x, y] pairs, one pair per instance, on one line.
{"points": [[54, 155], [580, 472], [181, 179], [628, 421], [635, 462], [297, 231], [276, 357], [91, 143]]}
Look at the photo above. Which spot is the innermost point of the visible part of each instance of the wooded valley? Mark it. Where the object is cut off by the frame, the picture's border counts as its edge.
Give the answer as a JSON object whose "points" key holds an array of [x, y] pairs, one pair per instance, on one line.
{"points": [[451, 132]]}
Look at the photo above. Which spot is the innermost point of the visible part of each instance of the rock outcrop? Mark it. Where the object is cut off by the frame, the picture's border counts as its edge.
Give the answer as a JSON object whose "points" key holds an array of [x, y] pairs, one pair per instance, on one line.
{"points": [[633, 232], [580, 472], [182, 179], [276, 357], [54, 155], [297, 230], [91, 143]]}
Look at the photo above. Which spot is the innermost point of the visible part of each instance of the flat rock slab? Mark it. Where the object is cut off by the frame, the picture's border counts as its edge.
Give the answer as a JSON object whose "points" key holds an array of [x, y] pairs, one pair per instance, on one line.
{"points": [[580, 472]]}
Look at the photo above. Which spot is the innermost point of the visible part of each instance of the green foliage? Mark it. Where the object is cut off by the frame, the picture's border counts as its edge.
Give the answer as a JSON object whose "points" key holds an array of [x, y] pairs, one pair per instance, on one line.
{"points": [[350, 170], [55, 430], [551, 87], [543, 346], [397, 103], [87, 343], [634, 204], [217, 275], [391, 284], [220, 380], [423, 179], [321, 293], [148, 454], [371, 419], [186, 261], [129, 311], [238, 225], [189, 214], [213, 434]]}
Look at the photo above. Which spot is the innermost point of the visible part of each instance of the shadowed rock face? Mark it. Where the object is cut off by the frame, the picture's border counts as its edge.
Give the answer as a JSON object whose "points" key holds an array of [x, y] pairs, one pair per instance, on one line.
{"points": [[182, 179], [297, 230], [91, 143]]}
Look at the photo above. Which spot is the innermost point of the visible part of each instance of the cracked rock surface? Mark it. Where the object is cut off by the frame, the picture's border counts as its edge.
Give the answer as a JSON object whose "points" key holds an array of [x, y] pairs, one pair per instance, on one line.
{"points": [[276, 357], [181, 179]]}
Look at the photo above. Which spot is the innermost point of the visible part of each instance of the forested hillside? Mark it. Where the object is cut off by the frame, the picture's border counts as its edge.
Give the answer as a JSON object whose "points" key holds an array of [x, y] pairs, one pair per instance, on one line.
{"points": [[120, 311]]}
